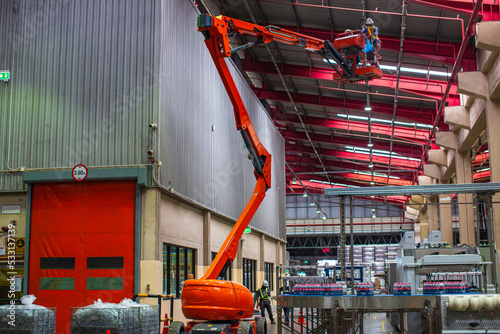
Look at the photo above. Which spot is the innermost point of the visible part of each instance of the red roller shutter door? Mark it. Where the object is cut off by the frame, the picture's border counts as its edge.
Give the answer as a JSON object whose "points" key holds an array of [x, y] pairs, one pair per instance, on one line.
{"points": [[82, 244]]}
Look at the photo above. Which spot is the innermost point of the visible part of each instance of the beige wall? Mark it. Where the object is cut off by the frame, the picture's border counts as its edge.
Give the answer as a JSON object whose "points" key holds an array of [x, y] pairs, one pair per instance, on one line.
{"points": [[6, 219], [181, 224]]}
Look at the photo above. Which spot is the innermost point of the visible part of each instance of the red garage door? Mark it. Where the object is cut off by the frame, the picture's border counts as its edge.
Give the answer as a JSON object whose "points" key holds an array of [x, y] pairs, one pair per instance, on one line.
{"points": [[82, 245]]}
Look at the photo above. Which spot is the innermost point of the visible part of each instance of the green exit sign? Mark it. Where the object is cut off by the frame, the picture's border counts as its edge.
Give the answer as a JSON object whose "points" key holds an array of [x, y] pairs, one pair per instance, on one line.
{"points": [[4, 75], [248, 230]]}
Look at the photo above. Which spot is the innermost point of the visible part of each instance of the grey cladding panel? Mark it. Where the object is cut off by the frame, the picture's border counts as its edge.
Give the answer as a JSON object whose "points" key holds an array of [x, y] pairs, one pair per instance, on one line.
{"points": [[83, 85], [202, 153]]}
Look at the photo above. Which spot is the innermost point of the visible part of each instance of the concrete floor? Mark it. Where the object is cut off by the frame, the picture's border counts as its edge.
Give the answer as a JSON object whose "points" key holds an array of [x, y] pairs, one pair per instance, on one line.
{"points": [[374, 323]]}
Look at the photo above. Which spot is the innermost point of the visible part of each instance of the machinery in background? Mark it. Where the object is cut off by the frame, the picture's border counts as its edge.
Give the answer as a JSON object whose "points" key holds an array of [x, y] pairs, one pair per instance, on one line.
{"points": [[436, 269], [436, 262]]}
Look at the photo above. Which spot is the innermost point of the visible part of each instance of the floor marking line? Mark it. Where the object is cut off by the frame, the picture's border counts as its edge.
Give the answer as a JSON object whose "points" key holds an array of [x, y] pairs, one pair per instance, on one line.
{"points": [[383, 328]]}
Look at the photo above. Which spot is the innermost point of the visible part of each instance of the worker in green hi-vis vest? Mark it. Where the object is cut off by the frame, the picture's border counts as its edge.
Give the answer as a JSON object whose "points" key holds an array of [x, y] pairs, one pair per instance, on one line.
{"points": [[263, 296]]}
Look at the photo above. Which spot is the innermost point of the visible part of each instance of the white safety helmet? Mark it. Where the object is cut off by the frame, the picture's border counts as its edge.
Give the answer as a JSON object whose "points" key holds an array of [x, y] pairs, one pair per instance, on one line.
{"points": [[369, 21], [265, 283]]}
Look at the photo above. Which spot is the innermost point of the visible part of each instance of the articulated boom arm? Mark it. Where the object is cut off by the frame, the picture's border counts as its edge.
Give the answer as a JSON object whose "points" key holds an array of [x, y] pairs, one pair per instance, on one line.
{"points": [[224, 27], [217, 31], [215, 37]]}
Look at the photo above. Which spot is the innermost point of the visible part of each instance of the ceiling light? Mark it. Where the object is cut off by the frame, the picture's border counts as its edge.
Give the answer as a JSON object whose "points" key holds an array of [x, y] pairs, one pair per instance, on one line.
{"points": [[373, 209], [374, 216], [294, 181], [370, 165], [324, 217], [317, 211], [311, 204], [368, 108], [414, 70], [370, 144], [372, 196], [372, 183], [305, 194]]}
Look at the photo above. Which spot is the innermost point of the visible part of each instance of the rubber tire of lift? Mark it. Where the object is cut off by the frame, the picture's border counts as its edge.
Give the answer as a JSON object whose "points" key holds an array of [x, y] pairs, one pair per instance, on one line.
{"points": [[261, 325], [176, 327], [244, 328]]}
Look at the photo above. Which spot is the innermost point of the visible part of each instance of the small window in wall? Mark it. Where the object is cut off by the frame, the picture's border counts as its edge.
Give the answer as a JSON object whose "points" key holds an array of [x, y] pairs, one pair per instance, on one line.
{"points": [[57, 263], [104, 283], [57, 283], [178, 264], [227, 276], [105, 262], [268, 274], [249, 267], [11, 209]]}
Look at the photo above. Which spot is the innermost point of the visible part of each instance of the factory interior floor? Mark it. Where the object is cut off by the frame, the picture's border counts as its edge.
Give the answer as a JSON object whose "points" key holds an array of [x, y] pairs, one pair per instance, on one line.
{"points": [[374, 323]]}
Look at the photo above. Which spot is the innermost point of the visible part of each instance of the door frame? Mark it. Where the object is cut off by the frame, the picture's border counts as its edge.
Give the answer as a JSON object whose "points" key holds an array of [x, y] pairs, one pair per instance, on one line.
{"points": [[94, 174]]}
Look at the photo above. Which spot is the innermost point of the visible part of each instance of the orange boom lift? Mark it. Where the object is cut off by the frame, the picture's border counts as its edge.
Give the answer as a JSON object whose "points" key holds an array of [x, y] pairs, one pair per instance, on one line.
{"points": [[222, 306]]}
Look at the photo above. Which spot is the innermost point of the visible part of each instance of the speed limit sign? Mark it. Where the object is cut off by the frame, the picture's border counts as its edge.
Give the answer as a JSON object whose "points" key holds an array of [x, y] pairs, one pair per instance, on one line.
{"points": [[79, 172]]}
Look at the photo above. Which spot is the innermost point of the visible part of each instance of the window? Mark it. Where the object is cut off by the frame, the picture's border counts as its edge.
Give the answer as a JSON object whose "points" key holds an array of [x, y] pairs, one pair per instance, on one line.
{"points": [[227, 276], [249, 273], [178, 264], [57, 263], [104, 283], [57, 283], [268, 274], [105, 262]]}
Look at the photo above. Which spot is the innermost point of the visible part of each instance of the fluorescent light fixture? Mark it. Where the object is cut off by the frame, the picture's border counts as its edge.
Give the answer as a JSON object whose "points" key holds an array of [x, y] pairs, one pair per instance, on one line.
{"points": [[378, 153], [415, 70], [334, 184], [331, 61], [483, 170], [386, 121], [376, 174]]}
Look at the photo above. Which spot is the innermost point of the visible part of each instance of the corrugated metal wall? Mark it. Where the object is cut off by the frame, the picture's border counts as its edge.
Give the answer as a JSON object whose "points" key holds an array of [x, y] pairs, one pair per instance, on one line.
{"points": [[88, 77], [202, 152], [82, 88]]}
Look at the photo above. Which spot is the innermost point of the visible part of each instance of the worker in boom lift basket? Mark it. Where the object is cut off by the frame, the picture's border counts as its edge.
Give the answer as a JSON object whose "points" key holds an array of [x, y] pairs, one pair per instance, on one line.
{"points": [[371, 33], [263, 296]]}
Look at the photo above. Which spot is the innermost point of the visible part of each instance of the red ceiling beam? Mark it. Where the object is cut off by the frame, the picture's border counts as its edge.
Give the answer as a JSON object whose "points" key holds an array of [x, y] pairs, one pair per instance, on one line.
{"points": [[357, 177], [481, 158], [444, 52], [310, 168], [433, 89], [417, 115], [319, 188], [483, 176], [489, 12], [409, 135], [405, 150], [349, 156]]}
